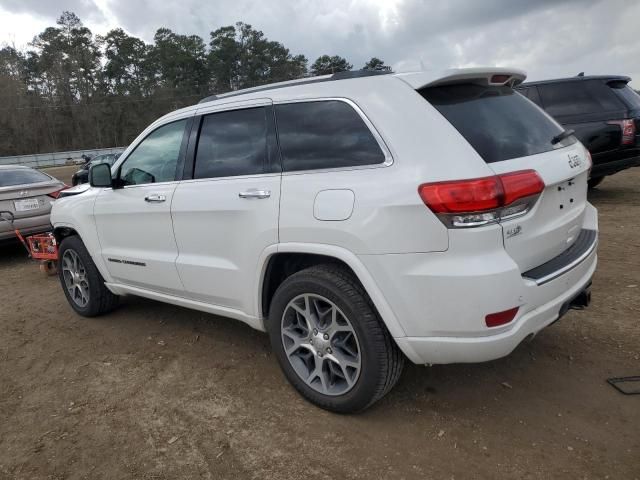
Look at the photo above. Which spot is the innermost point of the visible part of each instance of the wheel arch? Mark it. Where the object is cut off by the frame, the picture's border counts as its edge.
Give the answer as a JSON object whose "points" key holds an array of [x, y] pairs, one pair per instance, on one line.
{"points": [[61, 232], [292, 257]]}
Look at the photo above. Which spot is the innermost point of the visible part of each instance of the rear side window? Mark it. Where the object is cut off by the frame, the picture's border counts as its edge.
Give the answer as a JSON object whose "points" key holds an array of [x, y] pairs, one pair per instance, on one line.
{"points": [[232, 143], [324, 134], [626, 93], [578, 98], [499, 123], [21, 176]]}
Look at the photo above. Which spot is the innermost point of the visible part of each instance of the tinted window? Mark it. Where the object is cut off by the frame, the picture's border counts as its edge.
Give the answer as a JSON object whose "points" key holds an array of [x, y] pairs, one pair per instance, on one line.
{"points": [[326, 134], [578, 98], [533, 95], [156, 157], [628, 94], [499, 123], [232, 143], [22, 176]]}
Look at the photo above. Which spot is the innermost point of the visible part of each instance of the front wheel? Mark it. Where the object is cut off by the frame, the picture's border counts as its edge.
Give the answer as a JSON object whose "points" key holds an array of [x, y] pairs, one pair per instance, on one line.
{"points": [[330, 342], [81, 281]]}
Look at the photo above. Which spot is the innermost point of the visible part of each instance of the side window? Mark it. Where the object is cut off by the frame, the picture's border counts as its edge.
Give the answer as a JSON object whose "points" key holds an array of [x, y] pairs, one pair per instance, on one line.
{"points": [[232, 143], [324, 134], [534, 96], [156, 157], [577, 98]]}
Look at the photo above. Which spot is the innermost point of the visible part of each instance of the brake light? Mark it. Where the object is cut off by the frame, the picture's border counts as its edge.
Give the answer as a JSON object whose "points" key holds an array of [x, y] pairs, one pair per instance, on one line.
{"points": [[56, 194], [480, 201], [628, 127], [500, 79], [501, 318]]}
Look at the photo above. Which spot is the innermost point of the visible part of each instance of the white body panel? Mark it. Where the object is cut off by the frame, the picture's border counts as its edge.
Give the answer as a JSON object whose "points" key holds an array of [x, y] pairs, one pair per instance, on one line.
{"points": [[206, 248], [133, 231], [221, 237]]}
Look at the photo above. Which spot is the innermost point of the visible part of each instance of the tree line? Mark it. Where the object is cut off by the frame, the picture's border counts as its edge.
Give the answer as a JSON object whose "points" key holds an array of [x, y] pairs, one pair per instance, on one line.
{"points": [[72, 90]]}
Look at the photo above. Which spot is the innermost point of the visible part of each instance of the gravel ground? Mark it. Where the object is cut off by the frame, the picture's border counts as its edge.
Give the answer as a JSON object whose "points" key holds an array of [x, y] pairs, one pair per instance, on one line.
{"points": [[155, 391]]}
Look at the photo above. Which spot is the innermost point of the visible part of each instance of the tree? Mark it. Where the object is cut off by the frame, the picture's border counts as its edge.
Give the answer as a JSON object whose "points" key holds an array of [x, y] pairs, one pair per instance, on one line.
{"points": [[179, 61], [325, 65], [125, 70], [241, 57], [376, 64], [69, 90]]}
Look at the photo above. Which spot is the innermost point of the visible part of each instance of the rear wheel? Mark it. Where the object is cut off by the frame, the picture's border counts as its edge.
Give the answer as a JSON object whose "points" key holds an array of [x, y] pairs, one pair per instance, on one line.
{"points": [[81, 281], [594, 182], [330, 342]]}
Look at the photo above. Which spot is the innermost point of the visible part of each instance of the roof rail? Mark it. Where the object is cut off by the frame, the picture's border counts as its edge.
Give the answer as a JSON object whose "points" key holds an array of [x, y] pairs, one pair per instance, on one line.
{"points": [[336, 76]]}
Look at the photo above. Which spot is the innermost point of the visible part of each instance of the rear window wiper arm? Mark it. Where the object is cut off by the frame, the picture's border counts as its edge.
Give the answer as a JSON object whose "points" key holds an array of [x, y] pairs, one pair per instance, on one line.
{"points": [[562, 135]]}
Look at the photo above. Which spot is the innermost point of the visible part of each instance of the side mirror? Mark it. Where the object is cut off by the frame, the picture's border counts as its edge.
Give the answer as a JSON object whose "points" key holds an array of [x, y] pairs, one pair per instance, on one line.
{"points": [[100, 176]]}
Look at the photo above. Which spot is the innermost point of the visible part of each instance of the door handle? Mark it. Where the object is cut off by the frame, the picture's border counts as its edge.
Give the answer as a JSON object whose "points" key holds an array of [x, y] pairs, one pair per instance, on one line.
{"points": [[155, 198], [255, 194]]}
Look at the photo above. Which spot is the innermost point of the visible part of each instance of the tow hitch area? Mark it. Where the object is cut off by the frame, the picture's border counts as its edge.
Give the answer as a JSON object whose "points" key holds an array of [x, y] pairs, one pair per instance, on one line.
{"points": [[582, 300], [579, 302]]}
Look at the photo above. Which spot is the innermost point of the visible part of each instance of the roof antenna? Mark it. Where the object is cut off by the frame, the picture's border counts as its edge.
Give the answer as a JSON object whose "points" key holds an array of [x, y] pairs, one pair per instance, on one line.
{"points": [[581, 74]]}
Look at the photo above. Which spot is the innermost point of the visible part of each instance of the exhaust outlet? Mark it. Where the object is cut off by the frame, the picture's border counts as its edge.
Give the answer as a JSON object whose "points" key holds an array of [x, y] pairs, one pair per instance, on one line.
{"points": [[582, 300]]}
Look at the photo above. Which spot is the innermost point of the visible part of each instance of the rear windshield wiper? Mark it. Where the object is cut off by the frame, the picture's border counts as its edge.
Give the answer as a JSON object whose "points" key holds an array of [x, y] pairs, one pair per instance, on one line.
{"points": [[562, 135]]}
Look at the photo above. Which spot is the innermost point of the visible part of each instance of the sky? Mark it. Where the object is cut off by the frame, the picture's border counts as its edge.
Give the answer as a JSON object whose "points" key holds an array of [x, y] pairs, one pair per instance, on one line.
{"points": [[546, 38]]}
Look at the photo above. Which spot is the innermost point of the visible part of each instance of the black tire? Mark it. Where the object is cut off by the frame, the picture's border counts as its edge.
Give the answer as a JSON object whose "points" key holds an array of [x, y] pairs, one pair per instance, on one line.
{"points": [[594, 182], [381, 359], [101, 300]]}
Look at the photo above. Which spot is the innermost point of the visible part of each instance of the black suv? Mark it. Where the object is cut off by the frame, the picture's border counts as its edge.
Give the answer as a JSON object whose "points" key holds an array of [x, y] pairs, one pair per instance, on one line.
{"points": [[604, 112]]}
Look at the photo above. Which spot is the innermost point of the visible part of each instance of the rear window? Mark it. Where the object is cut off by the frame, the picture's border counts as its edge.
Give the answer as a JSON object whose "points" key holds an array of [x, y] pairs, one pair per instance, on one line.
{"points": [[25, 176], [578, 98], [628, 94], [499, 123]]}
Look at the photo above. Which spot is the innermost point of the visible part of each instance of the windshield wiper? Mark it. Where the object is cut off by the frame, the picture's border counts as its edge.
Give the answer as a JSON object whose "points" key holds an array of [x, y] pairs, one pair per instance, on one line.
{"points": [[562, 135]]}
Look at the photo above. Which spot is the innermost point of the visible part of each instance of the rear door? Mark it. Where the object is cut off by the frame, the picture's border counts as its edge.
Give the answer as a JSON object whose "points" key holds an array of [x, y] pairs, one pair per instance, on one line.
{"points": [[225, 211], [511, 133]]}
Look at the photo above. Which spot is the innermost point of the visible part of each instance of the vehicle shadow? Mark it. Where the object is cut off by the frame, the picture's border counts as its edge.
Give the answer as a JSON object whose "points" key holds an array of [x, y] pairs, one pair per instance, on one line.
{"points": [[449, 389], [12, 252]]}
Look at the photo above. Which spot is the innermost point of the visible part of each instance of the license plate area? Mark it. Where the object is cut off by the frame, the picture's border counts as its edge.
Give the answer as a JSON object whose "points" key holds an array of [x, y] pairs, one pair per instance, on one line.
{"points": [[568, 194], [26, 204]]}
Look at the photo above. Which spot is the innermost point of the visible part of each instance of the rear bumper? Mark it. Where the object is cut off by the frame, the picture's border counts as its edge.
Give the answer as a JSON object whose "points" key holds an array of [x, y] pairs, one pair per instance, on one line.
{"points": [[609, 168], [27, 226], [441, 299], [481, 349]]}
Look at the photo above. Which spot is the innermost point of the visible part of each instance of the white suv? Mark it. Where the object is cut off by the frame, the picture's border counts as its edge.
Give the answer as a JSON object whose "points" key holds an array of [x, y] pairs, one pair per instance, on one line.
{"points": [[359, 218]]}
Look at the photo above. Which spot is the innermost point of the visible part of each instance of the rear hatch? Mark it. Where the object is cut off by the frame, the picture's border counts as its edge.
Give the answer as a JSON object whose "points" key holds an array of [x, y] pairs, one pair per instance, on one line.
{"points": [[26, 192], [511, 134]]}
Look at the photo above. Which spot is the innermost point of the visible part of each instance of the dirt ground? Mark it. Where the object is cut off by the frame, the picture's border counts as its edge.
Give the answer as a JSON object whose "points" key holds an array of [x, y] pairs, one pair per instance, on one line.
{"points": [[155, 391]]}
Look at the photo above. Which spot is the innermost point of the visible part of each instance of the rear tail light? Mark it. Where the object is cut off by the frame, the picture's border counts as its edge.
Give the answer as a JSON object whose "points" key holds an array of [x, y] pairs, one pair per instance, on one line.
{"points": [[56, 194], [480, 201], [501, 318], [628, 127]]}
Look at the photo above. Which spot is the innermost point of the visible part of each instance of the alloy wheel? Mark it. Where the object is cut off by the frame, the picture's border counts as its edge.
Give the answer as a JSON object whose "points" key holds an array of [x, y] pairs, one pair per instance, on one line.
{"points": [[321, 344], [75, 278]]}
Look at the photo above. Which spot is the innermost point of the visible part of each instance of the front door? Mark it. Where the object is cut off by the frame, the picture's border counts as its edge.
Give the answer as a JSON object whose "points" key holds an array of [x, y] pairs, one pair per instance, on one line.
{"points": [[134, 221]]}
